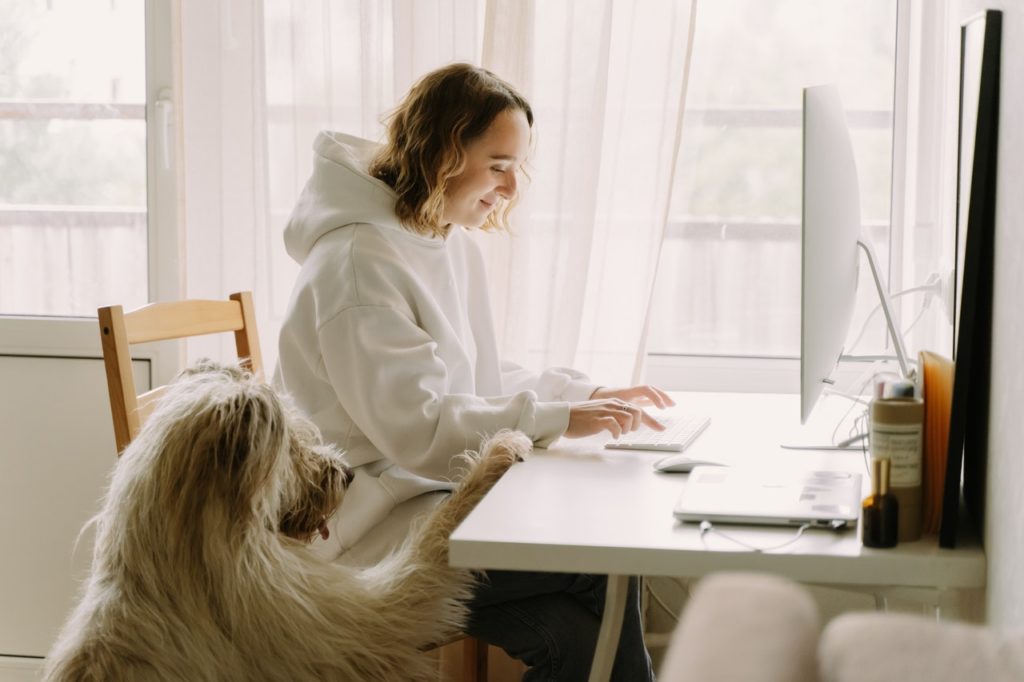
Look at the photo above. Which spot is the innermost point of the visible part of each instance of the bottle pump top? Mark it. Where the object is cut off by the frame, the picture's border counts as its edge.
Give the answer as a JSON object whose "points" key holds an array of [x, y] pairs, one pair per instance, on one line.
{"points": [[880, 476], [901, 388]]}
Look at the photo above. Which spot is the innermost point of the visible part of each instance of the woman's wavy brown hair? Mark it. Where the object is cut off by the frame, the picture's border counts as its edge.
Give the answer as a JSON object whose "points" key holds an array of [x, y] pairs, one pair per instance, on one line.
{"points": [[427, 138]]}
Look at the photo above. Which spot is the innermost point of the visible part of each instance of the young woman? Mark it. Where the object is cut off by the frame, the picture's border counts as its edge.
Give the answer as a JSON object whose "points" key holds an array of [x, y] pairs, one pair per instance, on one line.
{"points": [[389, 346]]}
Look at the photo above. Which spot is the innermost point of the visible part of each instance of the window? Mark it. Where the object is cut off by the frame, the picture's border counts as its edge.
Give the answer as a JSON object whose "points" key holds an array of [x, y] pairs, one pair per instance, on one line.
{"points": [[729, 277], [73, 196]]}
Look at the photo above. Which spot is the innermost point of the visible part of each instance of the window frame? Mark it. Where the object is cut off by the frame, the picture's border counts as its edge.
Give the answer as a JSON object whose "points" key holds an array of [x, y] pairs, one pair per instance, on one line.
{"points": [[60, 336], [746, 374]]}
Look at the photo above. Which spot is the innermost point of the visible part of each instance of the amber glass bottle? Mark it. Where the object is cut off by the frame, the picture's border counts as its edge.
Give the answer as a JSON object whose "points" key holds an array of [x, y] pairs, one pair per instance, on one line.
{"points": [[880, 511]]}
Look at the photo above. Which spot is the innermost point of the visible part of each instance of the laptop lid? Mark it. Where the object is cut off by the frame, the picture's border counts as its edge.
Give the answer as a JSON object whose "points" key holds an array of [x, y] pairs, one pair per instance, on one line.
{"points": [[829, 499]]}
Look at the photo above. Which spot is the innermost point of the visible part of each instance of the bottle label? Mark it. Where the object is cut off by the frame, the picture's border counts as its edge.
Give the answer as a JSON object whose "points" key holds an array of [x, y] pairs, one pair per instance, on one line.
{"points": [[901, 444]]}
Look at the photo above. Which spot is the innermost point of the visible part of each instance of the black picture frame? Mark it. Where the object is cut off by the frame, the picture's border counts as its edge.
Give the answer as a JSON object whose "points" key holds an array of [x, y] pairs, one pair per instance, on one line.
{"points": [[967, 457]]}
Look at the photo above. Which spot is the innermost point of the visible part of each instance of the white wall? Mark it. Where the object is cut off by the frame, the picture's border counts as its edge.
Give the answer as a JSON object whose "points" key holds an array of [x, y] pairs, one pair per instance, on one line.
{"points": [[1004, 513]]}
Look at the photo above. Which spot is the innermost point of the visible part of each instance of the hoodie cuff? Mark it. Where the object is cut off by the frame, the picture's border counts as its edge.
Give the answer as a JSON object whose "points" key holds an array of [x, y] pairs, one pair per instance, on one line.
{"points": [[564, 385], [577, 391], [545, 422]]}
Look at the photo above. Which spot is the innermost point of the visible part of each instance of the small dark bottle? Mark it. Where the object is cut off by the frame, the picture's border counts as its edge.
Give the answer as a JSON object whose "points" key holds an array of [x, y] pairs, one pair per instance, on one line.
{"points": [[881, 509]]}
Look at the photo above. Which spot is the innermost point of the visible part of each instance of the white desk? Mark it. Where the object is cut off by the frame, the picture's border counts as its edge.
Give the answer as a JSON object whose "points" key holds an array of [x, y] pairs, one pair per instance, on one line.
{"points": [[579, 507]]}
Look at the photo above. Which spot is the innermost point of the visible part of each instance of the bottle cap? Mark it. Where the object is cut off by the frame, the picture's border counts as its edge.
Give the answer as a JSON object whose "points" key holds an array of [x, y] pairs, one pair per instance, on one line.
{"points": [[899, 388]]}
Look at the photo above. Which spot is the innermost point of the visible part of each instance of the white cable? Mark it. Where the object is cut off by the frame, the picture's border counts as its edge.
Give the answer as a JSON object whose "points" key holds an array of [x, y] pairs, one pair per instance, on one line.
{"points": [[863, 420], [868, 378], [920, 314], [664, 607], [708, 527], [849, 396], [845, 444], [932, 286]]}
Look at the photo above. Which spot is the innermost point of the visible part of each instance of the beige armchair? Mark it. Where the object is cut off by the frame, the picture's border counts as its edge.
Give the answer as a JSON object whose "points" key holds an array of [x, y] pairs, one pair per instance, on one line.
{"points": [[761, 628]]}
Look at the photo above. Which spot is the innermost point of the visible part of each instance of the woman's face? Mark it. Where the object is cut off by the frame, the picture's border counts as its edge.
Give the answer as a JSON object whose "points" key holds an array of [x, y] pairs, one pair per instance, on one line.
{"points": [[491, 172]]}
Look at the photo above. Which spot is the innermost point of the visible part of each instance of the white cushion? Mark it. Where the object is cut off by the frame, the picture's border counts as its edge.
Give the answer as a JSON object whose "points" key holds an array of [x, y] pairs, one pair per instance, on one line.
{"points": [[904, 648], [745, 626]]}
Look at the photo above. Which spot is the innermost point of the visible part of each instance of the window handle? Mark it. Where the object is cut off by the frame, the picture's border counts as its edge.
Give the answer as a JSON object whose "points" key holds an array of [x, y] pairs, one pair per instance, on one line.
{"points": [[165, 123]]}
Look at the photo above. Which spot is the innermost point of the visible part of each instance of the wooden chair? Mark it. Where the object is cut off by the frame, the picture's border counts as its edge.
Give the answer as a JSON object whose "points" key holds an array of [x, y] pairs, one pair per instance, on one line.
{"points": [[470, 659], [182, 319], [159, 322]]}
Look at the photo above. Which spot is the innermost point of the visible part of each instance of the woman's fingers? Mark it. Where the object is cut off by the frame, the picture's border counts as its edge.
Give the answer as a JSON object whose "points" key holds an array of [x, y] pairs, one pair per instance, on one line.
{"points": [[665, 398], [640, 417], [653, 395], [611, 425], [616, 416], [642, 395], [653, 423], [594, 416]]}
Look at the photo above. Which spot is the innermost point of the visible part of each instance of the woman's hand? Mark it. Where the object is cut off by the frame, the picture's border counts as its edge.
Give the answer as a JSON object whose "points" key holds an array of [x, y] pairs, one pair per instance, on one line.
{"points": [[641, 395], [613, 415]]}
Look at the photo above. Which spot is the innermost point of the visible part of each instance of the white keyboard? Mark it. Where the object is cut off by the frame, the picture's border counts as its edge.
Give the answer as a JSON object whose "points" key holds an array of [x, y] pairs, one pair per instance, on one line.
{"points": [[678, 434]]}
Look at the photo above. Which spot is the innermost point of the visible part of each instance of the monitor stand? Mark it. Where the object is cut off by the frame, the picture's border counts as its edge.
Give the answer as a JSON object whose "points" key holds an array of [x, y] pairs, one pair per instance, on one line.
{"points": [[906, 371], [883, 297]]}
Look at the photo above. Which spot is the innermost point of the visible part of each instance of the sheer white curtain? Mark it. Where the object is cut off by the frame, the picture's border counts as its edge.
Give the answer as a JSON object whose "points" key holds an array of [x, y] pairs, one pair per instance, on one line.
{"points": [[607, 81], [229, 239], [925, 169], [257, 81]]}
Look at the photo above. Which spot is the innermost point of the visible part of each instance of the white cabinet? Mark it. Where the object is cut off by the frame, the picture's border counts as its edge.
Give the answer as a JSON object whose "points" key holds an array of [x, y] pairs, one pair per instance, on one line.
{"points": [[56, 453]]}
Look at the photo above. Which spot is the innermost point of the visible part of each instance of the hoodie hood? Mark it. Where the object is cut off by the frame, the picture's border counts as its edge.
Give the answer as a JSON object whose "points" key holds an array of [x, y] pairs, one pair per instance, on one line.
{"points": [[339, 193]]}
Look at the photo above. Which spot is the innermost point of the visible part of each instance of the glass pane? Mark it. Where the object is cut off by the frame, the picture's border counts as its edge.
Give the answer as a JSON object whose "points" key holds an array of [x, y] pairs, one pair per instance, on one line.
{"points": [[729, 280], [72, 156]]}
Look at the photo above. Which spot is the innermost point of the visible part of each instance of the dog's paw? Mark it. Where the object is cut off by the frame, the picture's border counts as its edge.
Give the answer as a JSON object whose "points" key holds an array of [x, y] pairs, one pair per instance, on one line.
{"points": [[479, 472], [498, 453], [506, 448]]}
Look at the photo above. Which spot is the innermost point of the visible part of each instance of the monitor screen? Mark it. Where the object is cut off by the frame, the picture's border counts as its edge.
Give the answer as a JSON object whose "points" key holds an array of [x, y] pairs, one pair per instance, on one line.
{"points": [[830, 232]]}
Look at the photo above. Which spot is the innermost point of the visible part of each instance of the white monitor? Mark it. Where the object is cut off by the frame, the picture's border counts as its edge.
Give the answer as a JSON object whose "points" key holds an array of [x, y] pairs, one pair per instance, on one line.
{"points": [[830, 241]]}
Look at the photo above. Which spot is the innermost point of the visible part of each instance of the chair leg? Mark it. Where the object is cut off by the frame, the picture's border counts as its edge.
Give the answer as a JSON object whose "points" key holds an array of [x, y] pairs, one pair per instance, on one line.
{"points": [[474, 660]]}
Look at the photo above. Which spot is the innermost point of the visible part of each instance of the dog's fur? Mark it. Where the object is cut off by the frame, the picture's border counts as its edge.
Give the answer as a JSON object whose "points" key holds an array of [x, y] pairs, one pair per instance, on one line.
{"points": [[201, 569]]}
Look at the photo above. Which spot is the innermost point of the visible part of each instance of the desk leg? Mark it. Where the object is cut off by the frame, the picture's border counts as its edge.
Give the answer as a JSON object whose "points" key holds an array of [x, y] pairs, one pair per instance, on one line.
{"points": [[611, 628]]}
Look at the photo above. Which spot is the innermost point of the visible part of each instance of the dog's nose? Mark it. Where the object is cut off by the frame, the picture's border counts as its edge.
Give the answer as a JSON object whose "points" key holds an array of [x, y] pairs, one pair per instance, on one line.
{"points": [[347, 475]]}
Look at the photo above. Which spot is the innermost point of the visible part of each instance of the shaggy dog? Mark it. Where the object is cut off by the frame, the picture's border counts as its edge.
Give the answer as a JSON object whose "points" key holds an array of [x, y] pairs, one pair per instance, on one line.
{"points": [[201, 569]]}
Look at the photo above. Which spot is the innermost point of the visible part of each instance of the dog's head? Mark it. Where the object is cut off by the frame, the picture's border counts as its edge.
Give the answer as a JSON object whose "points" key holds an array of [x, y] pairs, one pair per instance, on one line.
{"points": [[229, 455]]}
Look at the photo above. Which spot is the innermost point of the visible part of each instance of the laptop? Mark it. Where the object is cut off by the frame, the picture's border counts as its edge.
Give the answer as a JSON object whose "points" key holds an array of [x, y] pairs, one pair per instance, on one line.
{"points": [[827, 499]]}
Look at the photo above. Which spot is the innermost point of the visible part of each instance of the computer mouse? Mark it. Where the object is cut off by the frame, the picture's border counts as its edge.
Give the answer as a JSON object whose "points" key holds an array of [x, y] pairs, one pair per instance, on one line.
{"points": [[681, 463]]}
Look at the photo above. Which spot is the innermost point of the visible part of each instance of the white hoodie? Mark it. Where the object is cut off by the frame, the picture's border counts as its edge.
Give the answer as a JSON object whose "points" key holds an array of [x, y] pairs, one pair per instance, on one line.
{"points": [[388, 343]]}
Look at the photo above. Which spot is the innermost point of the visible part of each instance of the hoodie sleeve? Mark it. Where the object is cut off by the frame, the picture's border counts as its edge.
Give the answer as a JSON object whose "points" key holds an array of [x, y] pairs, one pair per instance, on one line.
{"points": [[390, 380], [558, 383]]}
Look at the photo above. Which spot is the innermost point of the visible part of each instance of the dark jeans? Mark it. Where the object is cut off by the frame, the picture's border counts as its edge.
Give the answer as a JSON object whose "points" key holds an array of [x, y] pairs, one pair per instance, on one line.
{"points": [[550, 621]]}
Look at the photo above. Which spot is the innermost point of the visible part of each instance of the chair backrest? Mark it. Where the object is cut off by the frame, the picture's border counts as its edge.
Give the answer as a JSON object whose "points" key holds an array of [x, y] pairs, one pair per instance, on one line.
{"points": [[158, 322]]}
